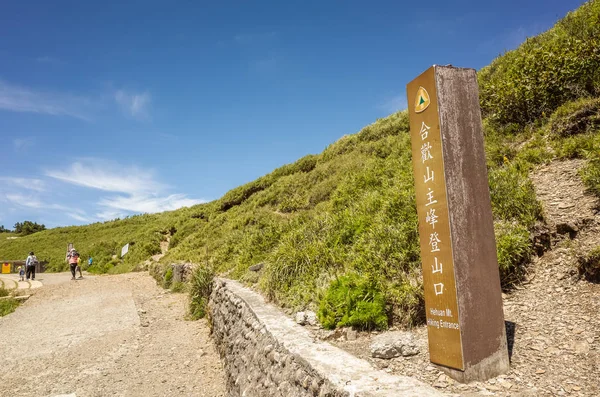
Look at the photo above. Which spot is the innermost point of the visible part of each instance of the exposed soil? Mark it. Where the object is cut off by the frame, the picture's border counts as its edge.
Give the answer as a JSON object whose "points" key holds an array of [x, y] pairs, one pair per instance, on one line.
{"points": [[108, 335], [554, 315]]}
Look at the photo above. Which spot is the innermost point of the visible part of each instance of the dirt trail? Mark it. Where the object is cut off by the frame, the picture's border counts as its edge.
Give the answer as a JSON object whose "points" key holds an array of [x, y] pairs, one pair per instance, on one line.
{"points": [[554, 314], [110, 335], [164, 247]]}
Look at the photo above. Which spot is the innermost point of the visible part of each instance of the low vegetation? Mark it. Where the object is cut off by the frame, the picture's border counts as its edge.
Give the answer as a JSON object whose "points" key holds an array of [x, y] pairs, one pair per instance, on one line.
{"points": [[337, 231], [7, 306], [200, 290], [589, 265], [555, 67], [352, 300]]}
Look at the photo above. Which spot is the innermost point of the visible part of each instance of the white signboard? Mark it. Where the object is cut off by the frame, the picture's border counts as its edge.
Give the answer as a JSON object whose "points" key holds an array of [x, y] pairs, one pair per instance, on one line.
{"points": [[124, 250]]}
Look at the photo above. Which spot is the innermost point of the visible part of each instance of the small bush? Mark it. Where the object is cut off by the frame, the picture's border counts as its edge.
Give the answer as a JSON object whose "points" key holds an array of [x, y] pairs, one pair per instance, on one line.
{"points": [[573, 147], [8, 306], [514, 250], [407, 299], [576, 117], [298, 258], [589, 265], [353, 301], [4, 292], [178, 287], [200, 290], [590, 174], [168, 279], [513, 196]]}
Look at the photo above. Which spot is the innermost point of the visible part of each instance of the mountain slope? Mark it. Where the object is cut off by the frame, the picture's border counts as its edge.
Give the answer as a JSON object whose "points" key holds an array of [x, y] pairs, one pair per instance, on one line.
{"points": [[351, 210]]}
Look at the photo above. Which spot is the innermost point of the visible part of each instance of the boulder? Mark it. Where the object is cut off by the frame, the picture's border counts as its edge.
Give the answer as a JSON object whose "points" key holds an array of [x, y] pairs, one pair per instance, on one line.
{"points": [[567, 228], [394, 344], [300, 318], [311, 318]]}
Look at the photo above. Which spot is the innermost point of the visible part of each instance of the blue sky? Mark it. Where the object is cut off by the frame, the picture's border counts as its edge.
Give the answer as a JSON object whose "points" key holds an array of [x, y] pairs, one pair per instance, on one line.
{"points": [[110, 109]]}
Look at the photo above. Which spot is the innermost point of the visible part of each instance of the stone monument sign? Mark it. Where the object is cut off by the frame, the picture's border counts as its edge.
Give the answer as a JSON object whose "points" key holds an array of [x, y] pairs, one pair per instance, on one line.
{"points": [[463, 301]]}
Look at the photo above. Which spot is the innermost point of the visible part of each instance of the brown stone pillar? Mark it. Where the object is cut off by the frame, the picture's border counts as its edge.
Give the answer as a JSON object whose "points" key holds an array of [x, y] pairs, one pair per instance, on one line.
{"points": [[463, 299]]}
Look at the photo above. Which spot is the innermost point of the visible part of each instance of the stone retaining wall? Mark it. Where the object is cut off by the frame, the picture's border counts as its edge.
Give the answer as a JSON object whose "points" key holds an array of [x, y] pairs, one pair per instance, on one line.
{"points": [[267, 354]]}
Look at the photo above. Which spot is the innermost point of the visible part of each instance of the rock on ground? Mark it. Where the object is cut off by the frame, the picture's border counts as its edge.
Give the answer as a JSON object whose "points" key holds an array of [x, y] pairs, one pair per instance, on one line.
{"points": [[394, 344]]}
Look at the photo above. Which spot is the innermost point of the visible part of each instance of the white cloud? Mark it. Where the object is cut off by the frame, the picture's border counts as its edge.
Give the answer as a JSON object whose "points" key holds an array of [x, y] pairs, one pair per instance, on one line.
{"points": [[135, 105], [394, 104], [24, 183], [115, 178], [141, 193], [32, 201], [23, 200], [109, 215], [148, 203], [80, 218], [21, 99]]}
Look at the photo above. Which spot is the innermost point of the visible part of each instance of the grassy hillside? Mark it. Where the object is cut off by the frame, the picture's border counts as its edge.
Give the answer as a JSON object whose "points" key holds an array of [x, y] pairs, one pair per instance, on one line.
{"points": [[338, 230]]}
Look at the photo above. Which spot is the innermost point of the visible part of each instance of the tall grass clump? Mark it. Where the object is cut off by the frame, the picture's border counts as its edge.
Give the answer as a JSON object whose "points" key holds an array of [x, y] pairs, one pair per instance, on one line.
{"points": [[591, 176], [7, 306], [352, 300], [513, 196], [200, 289], [514, 249]]}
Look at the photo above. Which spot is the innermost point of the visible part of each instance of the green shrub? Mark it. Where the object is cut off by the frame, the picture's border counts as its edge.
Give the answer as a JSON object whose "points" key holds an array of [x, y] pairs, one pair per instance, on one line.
{"points": [[514, 250], [589, 265], [178, 287], [577, 117], [577, 146], [200, 289], [546, 71], [407, 299], [4, 292], [498, 151], [534, 152], [513, 196], [590, 174], [168, 278], [354, 301], [8, 306]]}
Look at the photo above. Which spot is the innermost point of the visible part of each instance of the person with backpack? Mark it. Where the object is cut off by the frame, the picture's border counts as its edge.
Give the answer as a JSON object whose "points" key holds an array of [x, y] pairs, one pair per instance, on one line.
{"points": [[30, 265], [72, 257]]}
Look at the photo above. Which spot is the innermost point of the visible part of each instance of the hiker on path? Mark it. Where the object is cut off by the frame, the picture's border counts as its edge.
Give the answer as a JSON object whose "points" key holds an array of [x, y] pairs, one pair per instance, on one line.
{"points": [[78, 268], [30, 264], [21, 271], [72, 257]]}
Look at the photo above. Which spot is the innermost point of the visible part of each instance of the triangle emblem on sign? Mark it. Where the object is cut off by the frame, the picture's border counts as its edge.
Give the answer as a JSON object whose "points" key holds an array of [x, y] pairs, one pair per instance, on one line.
{"points": [[422, 100]]}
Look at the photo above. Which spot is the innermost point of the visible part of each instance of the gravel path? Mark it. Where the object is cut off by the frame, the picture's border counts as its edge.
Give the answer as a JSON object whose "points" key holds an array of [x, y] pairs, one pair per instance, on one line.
{"points": [[106, 336]]}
